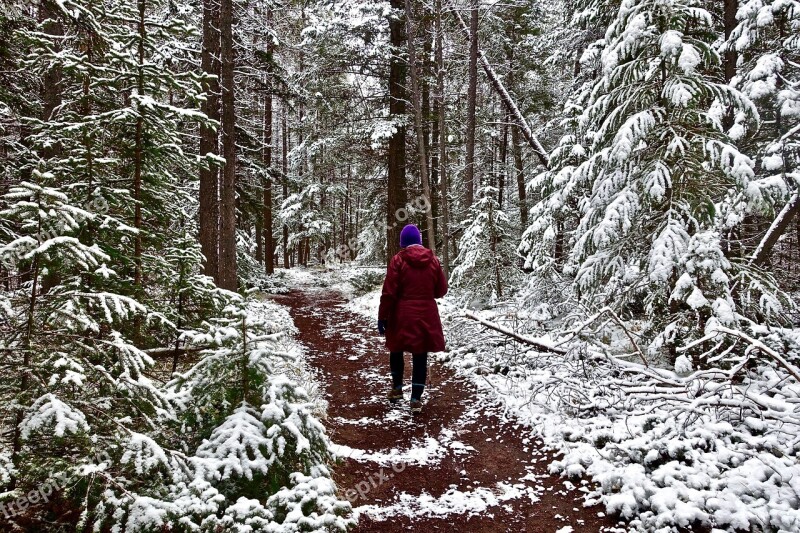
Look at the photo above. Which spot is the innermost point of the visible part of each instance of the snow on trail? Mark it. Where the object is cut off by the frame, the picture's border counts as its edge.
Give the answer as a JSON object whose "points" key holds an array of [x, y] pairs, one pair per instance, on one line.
{"points": [[460, 465]]}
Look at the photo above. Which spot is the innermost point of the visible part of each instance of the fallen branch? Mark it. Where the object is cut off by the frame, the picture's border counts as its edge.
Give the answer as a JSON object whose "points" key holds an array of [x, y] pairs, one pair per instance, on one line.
{"points": [[776, 229], [534, 143], [160, 352], [618, 320], [756, 344], [540, 344]]}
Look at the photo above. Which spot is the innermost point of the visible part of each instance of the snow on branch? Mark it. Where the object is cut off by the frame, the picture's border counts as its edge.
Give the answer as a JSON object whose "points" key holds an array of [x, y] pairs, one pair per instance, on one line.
{"points": [[756, 344], [540, 344]]}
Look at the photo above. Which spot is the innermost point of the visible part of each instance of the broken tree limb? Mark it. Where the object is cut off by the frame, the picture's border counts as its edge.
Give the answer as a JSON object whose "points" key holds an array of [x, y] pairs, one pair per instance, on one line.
{"points": [[540, 344], [534, 143], [776, 229], [756, 344], [610, 312]]}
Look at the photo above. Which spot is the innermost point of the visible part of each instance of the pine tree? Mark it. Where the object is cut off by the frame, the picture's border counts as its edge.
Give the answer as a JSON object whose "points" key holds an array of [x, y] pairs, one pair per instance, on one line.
{"points": [[651, 177], [253, 453], [485, 248], [766, 40]]}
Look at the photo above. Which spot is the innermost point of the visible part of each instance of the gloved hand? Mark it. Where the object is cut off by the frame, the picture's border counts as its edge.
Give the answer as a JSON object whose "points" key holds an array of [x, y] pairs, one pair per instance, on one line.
{"points": [[381, 327]]}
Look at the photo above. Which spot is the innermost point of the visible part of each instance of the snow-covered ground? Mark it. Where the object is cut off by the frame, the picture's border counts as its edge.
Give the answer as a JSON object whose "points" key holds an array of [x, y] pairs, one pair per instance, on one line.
{"points": [[657, 455]]}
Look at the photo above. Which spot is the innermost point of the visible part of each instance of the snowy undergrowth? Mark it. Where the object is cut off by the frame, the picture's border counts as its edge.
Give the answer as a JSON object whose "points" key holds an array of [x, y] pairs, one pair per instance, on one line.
{"points": [[665, 448], [251, 454]]}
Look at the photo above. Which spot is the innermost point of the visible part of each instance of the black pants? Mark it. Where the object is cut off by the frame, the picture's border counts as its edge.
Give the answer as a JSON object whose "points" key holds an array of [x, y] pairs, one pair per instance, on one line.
{"points": [[419, 373]]}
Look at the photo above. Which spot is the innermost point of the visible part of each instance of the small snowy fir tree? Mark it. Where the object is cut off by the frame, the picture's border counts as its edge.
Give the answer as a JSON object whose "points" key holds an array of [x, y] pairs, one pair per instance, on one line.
{"points": [[486, 250], [254, 455]]}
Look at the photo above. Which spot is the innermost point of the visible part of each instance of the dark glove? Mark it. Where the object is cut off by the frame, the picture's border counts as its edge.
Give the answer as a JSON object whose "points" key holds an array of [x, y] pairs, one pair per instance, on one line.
{"points": [[382, 327]]}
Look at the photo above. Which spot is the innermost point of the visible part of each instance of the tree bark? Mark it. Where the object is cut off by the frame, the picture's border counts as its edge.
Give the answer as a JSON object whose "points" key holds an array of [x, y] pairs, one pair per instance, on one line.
{"points": [[519, 170], [51, 81], [781, 223], [269, 249], [731, 56], [139, 156], [396, 186], [285, 181], [416, 93], [501, 171], [440, 102], [227, 264], [209, 143], [472, 94]]}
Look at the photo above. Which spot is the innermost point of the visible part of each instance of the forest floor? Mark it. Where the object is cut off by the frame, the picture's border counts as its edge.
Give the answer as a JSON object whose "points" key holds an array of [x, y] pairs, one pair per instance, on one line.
{"points": [[460, 465]]}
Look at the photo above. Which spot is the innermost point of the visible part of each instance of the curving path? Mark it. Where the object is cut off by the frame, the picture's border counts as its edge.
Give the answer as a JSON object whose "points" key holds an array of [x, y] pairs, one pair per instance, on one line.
{"points": [[457, 466]]}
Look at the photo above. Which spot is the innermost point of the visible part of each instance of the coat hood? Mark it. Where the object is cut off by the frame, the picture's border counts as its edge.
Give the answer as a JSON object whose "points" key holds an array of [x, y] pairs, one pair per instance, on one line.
{"points": [[417, 256]]}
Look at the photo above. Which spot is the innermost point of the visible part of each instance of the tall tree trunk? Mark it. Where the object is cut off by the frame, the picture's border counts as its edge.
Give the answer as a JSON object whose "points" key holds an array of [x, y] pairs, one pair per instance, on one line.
{"points": [[51, 81], [472, 94], [502, 166], [227, 249], [301, 165], [269, 249], [51, 100], [431, 123], [139, 154], [416, 94], [516, 146], [396, 186], [440, 102], [731, 56], [519, 170], [434, 168], [209, 143], [285, 180]]}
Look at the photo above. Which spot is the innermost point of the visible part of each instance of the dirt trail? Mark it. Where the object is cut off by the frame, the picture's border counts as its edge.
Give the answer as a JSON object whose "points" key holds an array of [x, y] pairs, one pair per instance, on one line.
{"points": [[457, 466]]}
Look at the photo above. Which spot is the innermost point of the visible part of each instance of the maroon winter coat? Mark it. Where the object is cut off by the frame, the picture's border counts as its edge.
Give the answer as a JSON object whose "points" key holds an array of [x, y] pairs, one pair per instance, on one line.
{"points": [[414, 278]]}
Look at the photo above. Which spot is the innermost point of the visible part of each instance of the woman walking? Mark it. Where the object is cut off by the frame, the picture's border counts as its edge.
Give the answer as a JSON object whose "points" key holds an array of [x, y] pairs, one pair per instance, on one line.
{"points": [[408, 314]]}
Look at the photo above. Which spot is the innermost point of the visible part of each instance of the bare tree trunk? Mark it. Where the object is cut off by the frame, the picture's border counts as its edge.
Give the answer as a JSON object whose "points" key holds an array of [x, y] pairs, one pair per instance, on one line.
{"points": [[51, 100], [430, 122], [434, 168], [472, 95], [731, 56], [259, 225], [731, 6], [519, 170], [209, 143], [778, 227], [227, 264], [51, 81], [285, 172], [416, 94], [139, 155], [396, 186], [501, 174], [269, 249], [440, 102]]}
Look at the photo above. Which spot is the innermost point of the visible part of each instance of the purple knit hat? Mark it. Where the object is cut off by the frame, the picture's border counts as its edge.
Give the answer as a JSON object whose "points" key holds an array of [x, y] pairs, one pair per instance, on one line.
{"points": [[410, 235]]}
